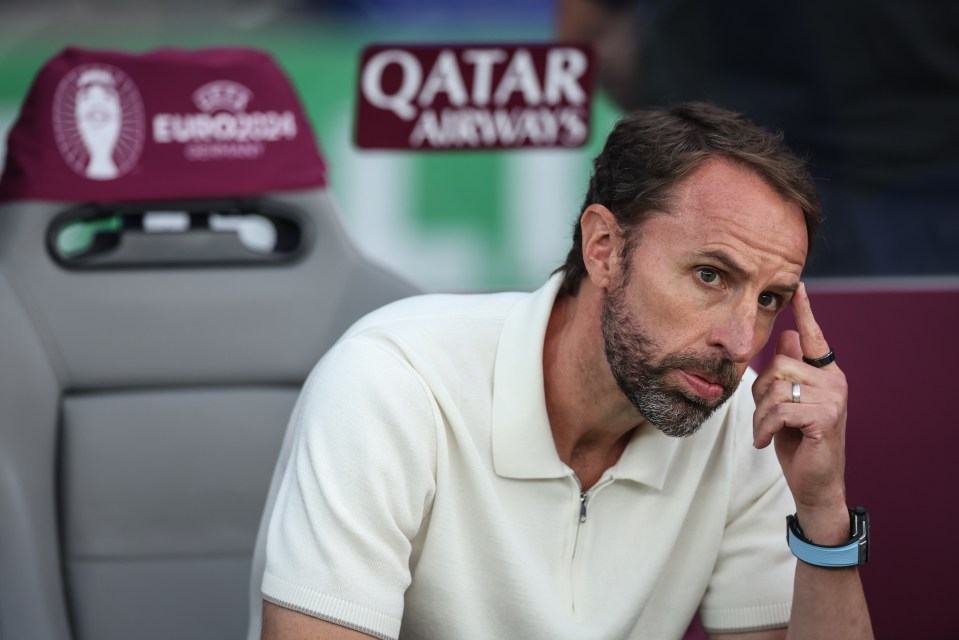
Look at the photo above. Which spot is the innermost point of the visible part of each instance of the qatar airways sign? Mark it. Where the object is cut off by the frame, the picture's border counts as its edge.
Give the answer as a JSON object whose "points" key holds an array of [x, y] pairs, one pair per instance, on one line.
{"points": [[474, 96]]}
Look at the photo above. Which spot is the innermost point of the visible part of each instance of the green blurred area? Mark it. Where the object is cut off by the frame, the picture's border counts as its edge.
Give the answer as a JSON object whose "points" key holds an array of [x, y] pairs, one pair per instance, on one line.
{"points": [[447, 220]]}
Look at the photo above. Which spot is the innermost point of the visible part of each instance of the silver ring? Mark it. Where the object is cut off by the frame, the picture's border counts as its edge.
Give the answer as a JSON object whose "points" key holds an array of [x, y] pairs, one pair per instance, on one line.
{"points": [[795, 392]]}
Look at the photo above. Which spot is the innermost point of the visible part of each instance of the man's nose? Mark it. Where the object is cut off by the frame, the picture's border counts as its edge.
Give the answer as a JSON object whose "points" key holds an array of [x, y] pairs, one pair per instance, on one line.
{"points": [[735, 331]]}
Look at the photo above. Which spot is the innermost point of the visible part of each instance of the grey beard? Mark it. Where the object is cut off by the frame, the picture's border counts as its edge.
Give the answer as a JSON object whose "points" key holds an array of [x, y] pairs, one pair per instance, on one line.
{"points": [[631, 358]]}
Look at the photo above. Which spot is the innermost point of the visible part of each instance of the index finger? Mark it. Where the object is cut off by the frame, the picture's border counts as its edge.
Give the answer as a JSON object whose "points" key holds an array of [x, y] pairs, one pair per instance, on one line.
{"points": [[811, 340]]}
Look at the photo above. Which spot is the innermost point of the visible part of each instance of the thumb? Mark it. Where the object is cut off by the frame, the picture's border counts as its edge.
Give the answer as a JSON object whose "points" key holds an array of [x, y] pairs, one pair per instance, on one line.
{"points": [[788, 344]]}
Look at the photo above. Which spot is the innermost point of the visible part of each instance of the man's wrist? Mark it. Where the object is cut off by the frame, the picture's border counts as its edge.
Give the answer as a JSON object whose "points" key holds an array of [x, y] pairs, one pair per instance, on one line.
{"points": [[825, 525], [852, 551]]}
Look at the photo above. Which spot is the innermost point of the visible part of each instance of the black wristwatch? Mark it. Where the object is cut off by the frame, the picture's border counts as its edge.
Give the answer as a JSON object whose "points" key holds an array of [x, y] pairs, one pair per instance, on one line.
{"points": [[847, 554]]}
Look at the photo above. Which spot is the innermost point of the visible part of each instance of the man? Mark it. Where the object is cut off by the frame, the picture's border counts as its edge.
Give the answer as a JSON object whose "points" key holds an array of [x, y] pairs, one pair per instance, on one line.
{"points": [[582, 462]]}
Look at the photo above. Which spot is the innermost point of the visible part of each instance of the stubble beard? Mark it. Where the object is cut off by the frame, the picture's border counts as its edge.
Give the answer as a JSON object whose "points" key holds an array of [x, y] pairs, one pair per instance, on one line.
{"points": [[641, 373]]}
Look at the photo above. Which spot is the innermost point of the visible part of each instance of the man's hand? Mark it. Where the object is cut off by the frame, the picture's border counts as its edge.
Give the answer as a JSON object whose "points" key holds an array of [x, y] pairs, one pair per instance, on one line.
{"points": [[809, 435], [810, 439]]}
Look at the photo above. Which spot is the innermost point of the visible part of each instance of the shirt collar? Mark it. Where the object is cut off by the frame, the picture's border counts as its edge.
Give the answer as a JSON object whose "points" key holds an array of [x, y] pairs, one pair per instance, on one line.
{"points": [[647, 458], [522, 442]]}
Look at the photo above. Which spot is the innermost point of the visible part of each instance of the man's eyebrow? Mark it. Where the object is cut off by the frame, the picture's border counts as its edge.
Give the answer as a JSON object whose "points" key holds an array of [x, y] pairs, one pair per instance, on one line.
{"points": [[722, 258], [790, 288], [734, 267]]}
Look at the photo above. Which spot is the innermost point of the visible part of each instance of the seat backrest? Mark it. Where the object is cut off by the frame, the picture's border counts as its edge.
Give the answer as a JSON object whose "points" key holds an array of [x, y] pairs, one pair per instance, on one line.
{"points": [[171, 268], [895, 339]]}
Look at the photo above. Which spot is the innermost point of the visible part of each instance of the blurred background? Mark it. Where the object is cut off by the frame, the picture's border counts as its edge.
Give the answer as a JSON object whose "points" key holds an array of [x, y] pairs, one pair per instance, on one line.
{"points": [[447, 221], [869, 97]]}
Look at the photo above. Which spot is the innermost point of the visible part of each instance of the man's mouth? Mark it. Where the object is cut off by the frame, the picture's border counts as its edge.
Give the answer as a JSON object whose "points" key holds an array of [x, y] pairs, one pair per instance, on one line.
{"points": [[704, 384]]}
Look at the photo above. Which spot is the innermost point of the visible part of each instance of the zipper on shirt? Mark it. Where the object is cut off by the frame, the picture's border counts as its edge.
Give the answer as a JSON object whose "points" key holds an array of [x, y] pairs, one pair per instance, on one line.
{"points": [[584, 498]]}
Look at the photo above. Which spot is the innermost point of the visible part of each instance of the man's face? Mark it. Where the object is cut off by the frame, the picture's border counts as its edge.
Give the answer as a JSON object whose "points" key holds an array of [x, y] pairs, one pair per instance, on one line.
{"points": [[696, 298], [642, 372]]}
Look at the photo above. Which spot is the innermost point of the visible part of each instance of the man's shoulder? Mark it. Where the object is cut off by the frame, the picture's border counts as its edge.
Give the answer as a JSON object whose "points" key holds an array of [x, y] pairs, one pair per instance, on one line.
{"points": [[447, 342], [436, 312], [435, 334]]}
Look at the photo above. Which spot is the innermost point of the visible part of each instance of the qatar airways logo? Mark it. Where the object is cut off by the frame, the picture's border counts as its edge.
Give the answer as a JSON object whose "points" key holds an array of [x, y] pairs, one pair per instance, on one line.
{"points": [[471, 97], [98, 121], [223, 128]]}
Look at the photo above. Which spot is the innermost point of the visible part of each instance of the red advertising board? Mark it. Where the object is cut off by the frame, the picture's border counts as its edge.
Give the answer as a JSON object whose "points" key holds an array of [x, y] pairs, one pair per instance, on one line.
{"points": [[474, 96]]}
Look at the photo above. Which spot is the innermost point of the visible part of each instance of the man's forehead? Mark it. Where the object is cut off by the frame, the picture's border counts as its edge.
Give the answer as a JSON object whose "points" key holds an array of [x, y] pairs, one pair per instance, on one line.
{"points": [[724, 187], [723, 204]]}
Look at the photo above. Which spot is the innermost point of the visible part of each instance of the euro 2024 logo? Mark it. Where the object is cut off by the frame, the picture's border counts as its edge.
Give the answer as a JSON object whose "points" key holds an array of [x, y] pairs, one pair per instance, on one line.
{"points": [[98, 121]]}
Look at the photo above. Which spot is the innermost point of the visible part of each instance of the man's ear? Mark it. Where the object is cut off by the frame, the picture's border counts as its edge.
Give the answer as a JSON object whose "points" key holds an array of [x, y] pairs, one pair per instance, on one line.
{"points": [[601, 244]]}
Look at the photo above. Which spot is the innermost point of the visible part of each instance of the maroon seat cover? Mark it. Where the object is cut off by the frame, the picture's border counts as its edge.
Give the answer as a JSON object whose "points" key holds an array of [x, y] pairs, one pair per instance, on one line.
{"points": [[168, 124]]}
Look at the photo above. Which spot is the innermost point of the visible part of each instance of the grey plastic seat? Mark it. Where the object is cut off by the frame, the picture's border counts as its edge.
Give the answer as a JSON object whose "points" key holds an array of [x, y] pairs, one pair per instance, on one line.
{"points": [[150, 354]]}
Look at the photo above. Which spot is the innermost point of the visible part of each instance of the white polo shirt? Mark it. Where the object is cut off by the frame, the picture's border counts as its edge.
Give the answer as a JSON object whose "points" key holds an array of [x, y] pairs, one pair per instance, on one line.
{"points": [[424, 498]]}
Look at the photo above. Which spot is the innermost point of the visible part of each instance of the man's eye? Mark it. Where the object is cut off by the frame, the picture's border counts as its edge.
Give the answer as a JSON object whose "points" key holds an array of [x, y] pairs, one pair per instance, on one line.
{"points": [[708, 275], [770, 301]]}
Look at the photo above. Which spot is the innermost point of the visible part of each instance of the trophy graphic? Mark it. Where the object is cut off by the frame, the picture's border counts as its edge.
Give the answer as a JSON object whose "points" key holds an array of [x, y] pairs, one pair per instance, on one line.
{"points": [[98, 114]]}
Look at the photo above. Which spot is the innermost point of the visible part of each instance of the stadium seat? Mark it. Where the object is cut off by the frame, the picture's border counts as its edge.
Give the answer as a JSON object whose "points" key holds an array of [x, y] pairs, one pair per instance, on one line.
{"points": [[172, 266]]}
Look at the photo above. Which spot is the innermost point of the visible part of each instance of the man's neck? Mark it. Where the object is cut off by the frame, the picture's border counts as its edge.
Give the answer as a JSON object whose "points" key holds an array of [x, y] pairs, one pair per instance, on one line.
{"points": [[591, 419]]}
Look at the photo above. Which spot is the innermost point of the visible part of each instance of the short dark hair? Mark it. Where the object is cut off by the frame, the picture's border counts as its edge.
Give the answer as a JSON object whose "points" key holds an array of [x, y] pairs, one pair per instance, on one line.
{"points": [[648, 152]]}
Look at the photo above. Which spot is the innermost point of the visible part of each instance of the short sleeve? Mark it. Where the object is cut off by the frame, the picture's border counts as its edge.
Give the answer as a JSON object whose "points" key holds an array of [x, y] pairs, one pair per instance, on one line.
{"points": [[752, 583], [358, 486]]}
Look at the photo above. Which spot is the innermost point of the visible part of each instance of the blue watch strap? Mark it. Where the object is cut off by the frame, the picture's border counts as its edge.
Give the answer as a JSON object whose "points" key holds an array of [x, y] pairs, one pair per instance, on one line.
{"points": [[848, 554]]}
